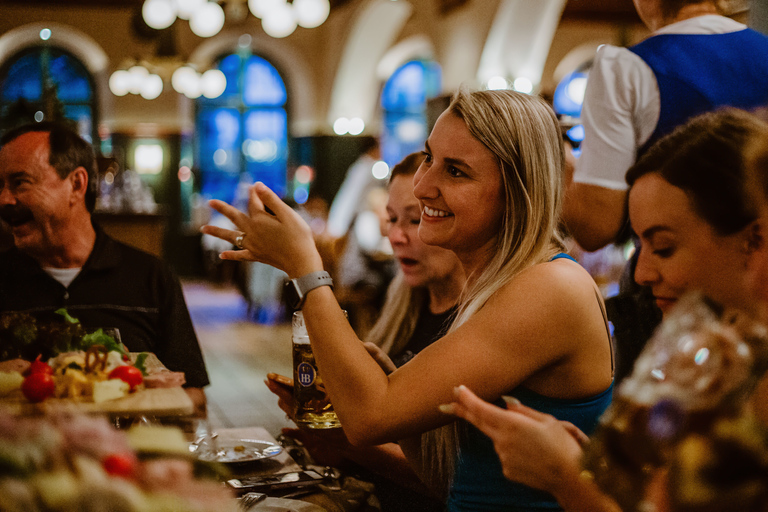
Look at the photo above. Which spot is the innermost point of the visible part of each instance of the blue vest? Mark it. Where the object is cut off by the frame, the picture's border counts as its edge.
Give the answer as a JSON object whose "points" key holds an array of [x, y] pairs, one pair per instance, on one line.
{"points": [[698, 73]]}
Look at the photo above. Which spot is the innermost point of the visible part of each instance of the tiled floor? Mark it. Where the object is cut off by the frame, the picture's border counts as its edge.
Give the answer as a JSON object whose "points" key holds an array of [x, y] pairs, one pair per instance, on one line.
{"points": [[238, 353]]}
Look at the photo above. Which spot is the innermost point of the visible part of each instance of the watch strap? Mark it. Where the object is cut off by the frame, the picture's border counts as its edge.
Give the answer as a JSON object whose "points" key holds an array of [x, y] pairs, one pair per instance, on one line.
{"points": [[309, 282]]}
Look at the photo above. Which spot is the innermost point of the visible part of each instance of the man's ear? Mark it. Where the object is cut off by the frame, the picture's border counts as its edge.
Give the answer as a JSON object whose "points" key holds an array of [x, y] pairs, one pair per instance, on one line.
{"points": [[79, 180]]}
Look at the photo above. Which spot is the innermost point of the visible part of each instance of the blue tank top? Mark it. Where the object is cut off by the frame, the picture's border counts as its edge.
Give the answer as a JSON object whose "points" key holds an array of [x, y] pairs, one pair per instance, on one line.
{"points": [[480, 485], [698, 73]]}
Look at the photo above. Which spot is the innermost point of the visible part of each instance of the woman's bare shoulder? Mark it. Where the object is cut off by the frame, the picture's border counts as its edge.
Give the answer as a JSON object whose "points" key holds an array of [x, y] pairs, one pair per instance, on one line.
{"points": [[561, 279]]}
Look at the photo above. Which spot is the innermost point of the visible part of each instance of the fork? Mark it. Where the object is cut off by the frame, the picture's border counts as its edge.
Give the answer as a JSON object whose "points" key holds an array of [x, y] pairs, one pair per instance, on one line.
{"points": [[249, 499]]}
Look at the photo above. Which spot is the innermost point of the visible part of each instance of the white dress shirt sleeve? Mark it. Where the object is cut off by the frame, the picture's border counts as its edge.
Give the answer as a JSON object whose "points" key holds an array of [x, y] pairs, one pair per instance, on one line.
{"points": [[620, 112]]}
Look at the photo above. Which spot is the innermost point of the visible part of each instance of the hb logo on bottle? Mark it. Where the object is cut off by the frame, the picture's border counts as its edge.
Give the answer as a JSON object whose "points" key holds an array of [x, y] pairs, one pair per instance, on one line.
{"points": [[305, 373]]}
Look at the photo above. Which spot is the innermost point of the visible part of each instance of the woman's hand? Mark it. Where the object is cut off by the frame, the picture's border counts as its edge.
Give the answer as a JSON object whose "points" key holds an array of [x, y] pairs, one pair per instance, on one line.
{"points": [[326, 447], [272, 233], [380, 357], [534, 448], [284, 391]]}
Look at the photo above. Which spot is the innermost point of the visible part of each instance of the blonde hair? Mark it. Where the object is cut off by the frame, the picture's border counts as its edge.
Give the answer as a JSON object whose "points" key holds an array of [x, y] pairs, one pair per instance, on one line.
{"points": [[524, 134]]}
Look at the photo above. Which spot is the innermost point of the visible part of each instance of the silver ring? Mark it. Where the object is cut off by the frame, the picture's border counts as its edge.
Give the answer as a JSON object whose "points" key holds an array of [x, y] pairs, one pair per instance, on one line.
{"points": [[239, 241]]}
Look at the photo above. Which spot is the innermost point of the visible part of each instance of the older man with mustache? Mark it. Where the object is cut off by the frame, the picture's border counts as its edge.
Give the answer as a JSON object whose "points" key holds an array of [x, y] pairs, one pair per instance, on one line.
{"points": [[61, 259]]}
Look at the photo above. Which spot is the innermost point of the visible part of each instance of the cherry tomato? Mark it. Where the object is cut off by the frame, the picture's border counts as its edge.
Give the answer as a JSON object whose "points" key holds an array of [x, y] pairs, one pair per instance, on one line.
{"points": [[38, 366], [120, 464], [128, 374], [38, 386]]}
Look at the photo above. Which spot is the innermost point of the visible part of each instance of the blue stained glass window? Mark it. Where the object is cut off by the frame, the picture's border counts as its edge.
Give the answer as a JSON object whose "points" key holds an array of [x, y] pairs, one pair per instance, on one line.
{"points": [[70, 77], [25, 77], [230, 66], [262, 84], [220, 140], [404, 103], [265, 147], [569, 94], [243, 134]]}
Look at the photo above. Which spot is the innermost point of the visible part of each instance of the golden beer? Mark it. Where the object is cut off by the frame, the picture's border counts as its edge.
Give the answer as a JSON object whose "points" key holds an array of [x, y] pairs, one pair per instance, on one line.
{"points": [[313, 406]]}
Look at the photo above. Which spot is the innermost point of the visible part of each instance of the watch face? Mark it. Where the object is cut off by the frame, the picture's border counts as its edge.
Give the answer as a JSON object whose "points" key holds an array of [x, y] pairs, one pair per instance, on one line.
{"points": [[292, 295]]}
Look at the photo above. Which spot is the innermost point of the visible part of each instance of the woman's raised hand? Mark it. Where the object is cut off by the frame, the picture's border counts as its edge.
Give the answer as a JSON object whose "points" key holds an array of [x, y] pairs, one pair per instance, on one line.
{"points": [[271, 232]]}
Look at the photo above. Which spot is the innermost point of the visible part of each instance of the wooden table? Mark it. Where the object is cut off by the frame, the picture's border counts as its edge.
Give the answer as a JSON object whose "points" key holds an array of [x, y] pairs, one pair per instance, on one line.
{"points": [[158, 402]]}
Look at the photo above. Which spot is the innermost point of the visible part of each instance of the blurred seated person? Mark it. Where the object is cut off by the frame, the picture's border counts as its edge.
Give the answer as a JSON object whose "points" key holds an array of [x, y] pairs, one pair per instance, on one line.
{"points": [[702, 220], [351, 197], [362, 266], [420, 303], [62, 259]]}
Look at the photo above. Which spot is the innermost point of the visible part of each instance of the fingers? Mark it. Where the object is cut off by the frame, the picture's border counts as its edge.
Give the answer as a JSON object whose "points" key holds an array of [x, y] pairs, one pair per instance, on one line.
{"points": [[576, 433], [287, 407], [480, 413], [514, 405], [255, 204], [243, 255], [262, 198], [280, 379], [229, 211], [381, 358], [279, 390], [223, 233]]}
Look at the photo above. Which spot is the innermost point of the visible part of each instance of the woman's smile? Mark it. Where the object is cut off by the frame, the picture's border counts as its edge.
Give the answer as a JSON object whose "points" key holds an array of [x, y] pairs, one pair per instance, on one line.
{"points": [[432, 212]]}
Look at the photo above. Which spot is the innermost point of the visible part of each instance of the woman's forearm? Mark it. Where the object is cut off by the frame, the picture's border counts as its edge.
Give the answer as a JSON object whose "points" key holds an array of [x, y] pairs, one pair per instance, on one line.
{"points": [[388, 461]]}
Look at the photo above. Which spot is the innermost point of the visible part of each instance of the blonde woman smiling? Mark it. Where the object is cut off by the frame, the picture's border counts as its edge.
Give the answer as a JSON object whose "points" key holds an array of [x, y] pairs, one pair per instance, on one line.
{"points": [[529, 322]]}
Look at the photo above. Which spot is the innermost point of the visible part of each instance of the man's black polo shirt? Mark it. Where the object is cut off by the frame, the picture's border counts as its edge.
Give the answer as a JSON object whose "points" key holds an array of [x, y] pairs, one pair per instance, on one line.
{"points": [[118, 286]]}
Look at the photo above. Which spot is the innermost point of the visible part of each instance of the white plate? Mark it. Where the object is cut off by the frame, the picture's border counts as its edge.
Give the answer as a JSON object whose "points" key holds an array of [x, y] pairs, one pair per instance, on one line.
{"points": [[285, 505], [240, 450]]}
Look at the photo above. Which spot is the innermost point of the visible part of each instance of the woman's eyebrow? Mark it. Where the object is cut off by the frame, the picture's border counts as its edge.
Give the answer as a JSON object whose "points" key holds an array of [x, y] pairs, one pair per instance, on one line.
{"points": [[653, 230], [457, 161]]}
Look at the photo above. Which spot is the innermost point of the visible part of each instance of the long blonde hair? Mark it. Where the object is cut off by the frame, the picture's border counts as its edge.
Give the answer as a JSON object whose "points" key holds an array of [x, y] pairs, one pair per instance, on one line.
{"points": [[523, 132]]}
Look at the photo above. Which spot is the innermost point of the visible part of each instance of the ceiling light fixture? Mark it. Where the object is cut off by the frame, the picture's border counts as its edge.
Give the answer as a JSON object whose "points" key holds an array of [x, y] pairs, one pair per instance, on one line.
{"points": [[279, 18], [147, 80]]}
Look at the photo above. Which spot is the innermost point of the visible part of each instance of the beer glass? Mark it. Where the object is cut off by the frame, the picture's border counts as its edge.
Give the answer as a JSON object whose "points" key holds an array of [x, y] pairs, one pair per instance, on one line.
{"points": [[313, 406]]}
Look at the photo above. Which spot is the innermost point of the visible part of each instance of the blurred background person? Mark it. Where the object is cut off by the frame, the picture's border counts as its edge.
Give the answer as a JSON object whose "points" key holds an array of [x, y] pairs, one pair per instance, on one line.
{"points": [[363, 265], [62, 259], [695, 60]]}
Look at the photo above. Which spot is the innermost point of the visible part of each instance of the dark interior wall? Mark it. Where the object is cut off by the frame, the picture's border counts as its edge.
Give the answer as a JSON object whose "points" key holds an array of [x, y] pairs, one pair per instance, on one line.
{"points": [[330, 156], [181, 250]]}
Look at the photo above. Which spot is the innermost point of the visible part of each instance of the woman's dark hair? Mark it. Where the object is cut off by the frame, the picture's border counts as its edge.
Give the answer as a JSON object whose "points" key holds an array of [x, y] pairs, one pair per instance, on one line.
{"points": [[407, 166], [706, 159], [68, 152], [757, 162]]}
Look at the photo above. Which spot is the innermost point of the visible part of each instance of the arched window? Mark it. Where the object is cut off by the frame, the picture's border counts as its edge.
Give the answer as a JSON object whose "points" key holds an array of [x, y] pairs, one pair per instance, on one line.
{"points": [[567, 102], [242, 136], [47, 83], [404, 104]]}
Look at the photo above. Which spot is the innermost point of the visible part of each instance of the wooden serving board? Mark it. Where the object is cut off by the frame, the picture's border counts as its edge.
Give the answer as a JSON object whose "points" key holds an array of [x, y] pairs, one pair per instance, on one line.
{"points": [[150, 402]]}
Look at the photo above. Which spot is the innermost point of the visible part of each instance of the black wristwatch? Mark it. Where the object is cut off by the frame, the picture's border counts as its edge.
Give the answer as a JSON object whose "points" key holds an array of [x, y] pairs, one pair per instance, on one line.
{"points": [[296, 289]]}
